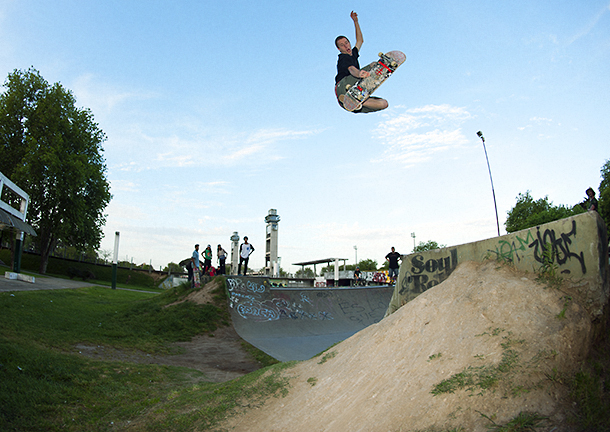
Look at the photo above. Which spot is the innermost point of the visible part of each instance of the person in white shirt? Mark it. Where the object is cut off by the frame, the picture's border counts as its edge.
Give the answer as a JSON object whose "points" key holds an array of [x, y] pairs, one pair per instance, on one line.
{"points": [[244, 254]]}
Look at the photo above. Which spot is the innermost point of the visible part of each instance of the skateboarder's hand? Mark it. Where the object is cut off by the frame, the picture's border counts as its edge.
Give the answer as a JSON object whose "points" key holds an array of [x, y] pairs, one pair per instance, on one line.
{"points": [[354, 16], [364, 74]]}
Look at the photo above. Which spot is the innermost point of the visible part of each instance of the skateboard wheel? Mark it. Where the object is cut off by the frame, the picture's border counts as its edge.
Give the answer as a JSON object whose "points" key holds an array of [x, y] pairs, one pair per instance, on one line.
{"points": [[347, 86], [394, 64], [380, 54]]}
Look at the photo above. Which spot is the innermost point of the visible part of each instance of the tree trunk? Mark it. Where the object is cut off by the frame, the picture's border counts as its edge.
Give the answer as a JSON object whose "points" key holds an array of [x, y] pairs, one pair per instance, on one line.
{"points": [[47, 244]]}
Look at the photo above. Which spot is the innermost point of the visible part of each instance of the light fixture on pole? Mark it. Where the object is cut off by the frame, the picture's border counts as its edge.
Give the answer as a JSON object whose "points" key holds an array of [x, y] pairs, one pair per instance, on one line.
{"points": [[480, 135], [413, 235], [356, 249]]}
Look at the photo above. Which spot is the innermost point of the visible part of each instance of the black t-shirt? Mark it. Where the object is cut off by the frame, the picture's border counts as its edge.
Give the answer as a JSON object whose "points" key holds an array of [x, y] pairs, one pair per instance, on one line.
{"points": [[344, 62], [393, 257]]}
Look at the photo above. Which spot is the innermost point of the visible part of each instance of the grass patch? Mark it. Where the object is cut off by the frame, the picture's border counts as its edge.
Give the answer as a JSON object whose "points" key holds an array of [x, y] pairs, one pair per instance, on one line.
{"points": [[261, 357], [524, 422], [203, 405], [482, 378], [46, 390], [45, 387], [94, 315], [327, 357], [590, 390], [548, 273]]}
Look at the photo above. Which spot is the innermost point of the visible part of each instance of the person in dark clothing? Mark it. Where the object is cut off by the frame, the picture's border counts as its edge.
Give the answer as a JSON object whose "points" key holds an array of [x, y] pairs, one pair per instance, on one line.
{"points": [[222, 257], [591, 202], [393, 258], [348, 64]]}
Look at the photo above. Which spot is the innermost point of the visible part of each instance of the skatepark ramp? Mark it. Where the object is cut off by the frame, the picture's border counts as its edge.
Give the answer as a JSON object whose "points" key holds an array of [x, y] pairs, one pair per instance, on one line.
{"points": [[472, 335], [298, 323]]}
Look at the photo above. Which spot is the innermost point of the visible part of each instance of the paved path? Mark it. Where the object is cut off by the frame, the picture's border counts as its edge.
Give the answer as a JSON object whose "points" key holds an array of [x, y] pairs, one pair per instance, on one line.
{"points": [[49, 283]]}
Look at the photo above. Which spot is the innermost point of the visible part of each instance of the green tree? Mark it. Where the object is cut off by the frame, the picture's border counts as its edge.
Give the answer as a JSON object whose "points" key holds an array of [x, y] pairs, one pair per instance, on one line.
{"points": [[173, 268], [305, 273], [365, 265], [429, 245], [528, 212], [53, 151], [604, 193], [368, 265]]}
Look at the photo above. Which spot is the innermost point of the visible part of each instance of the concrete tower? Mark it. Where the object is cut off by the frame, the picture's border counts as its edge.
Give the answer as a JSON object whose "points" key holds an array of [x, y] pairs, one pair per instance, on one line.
{"points": [[234, 252], [272, 267]]}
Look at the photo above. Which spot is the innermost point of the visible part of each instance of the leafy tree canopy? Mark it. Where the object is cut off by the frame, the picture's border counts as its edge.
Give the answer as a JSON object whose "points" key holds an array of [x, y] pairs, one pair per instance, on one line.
{"points": [[528, 212], [173, 268], [429, 245], [53, 151], [365, 265], [305, 273]]}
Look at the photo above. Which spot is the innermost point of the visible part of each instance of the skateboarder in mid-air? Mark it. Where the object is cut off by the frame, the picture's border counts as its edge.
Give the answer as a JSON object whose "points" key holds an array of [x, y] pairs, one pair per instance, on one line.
{"points": [[347, 64]]}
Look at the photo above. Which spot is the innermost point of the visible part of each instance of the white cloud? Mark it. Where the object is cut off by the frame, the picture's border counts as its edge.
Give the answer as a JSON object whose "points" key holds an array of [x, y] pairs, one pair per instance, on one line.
{"points": [[102, 98], [418, 133], [124, 186]]}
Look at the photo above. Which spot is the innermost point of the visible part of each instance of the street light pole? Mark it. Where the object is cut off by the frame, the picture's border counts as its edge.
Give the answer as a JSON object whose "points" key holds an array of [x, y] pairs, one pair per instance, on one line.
{"points": [[480, 135]]}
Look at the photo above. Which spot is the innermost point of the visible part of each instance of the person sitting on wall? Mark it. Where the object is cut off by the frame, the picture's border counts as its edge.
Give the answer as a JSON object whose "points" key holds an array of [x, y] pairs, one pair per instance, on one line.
{"points": [[590, 203]]}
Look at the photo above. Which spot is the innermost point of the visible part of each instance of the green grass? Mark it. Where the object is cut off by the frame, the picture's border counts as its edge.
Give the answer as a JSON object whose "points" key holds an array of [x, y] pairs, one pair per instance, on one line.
{"points": [[590, 390], [524, 421], [62, 318], [483, 378], [45, 386]]}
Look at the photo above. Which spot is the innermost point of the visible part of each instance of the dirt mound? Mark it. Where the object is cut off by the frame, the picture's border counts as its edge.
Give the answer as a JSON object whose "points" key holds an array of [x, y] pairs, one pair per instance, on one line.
{"points": [[201, 296], [487, 342]]}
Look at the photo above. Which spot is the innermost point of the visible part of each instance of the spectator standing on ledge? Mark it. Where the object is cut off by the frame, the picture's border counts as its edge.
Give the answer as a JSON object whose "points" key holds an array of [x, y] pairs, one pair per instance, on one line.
{"points": [[222, 257], [207, 259], [244, 255], [196, 281], [393, 258]]}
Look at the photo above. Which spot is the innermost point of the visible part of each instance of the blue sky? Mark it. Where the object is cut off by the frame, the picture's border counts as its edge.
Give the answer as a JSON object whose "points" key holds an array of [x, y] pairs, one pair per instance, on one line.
{"points": [[216, 112]]}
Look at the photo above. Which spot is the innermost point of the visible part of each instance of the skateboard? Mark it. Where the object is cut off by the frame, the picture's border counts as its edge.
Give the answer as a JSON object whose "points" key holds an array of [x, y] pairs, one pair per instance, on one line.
{"points": [[356, 91], [196, 278]]}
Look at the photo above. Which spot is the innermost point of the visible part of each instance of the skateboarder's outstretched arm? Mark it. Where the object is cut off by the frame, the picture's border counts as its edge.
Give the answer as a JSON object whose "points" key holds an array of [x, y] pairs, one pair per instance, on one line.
{"points": [[359, 38], [358, 73]]}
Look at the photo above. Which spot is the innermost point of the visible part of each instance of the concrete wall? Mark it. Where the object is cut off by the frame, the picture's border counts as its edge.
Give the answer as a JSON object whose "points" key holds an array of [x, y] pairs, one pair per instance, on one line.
{"points": [[580, 243]]}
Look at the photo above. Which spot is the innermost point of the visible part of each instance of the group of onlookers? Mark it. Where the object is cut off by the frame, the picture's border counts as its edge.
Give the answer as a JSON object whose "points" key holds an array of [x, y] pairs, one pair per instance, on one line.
{"points": [[195, 270]]}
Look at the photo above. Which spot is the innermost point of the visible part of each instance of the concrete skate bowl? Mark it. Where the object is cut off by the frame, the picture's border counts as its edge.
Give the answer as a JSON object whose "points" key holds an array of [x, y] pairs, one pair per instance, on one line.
{"points": [[298, 323]]}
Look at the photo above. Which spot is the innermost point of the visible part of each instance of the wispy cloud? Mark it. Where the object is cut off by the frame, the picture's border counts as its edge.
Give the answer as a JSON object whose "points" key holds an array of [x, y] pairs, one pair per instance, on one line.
{"points": [[124, 186], [418, 133], [590, 25], [101, 97], [539, 122]]}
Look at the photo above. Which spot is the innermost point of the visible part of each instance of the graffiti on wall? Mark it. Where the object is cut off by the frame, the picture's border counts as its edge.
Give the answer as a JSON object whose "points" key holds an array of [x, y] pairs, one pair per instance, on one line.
{"points": [[562, 246], [256, 301], [422, 274]]}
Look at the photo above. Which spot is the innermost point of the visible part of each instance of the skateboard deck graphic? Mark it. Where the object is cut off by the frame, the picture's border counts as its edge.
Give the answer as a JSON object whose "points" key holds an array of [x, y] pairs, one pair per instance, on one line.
{"points": [[196, 278], [356, 91]]}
